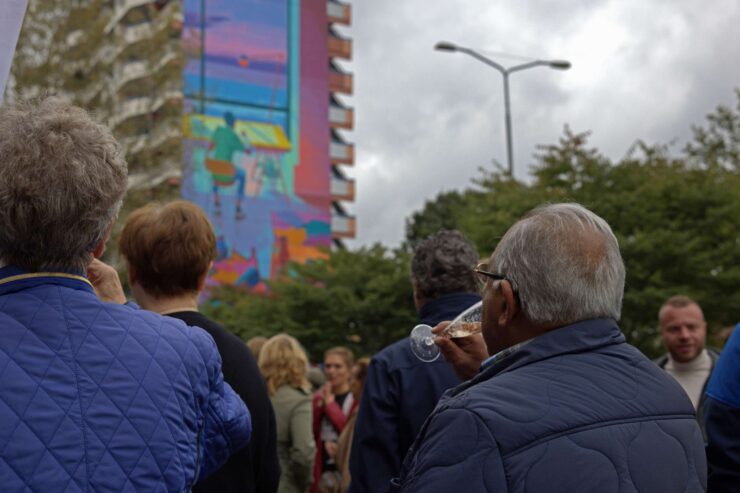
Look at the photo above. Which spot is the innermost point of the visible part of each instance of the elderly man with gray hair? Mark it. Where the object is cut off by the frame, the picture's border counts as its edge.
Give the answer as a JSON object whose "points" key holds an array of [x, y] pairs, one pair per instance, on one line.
{"points": [[563, 404], [94, 396]]}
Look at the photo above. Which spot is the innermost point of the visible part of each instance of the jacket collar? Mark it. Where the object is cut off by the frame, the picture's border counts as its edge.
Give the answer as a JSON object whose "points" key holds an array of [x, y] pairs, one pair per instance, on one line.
{"points": [[446, 307], [15, 279], [586, 335]]}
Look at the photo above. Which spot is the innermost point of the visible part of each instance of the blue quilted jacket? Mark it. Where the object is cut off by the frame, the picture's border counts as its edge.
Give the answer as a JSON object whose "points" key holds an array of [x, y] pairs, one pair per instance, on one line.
{"points": [[104, 397], [575, 410], [722, 419]]}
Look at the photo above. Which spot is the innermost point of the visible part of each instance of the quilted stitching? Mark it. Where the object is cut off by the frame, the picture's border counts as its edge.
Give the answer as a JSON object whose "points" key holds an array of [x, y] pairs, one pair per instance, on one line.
{"points": [[565, 418], [99, 396]]}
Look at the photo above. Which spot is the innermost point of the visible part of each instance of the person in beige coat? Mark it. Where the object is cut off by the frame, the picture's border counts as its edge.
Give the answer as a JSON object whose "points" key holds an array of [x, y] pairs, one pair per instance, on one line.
{"points": [[284, 364]]}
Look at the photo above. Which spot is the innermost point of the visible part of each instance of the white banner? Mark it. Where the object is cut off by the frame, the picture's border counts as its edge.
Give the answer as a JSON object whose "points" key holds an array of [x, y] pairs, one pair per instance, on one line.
{"points": [[11, 19]]}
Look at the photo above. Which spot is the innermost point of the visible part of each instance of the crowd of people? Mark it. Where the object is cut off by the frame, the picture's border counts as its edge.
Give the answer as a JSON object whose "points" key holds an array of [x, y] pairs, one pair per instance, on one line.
{"points": [[102, 393]]}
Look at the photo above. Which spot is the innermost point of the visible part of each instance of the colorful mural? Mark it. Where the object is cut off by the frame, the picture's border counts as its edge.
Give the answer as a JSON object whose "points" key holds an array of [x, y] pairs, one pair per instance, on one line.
{"points": [[256, 151]]}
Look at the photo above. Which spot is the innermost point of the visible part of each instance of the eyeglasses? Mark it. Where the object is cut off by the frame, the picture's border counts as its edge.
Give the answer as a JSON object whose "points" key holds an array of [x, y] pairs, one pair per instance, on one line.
{"points": [[483, 275]]}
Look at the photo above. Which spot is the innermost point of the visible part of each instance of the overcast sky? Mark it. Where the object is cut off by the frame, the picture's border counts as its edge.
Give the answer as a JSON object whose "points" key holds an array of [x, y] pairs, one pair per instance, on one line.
{"points": [[425, 121]]}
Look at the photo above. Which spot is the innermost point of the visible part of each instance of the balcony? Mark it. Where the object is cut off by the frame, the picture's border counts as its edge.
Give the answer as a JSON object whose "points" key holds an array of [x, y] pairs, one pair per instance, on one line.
{"points": [[150, 178], [340, 82], [141, 31], [130, 71], [339, 47], [143, 106], [136, 33], [134, 144], [163, 132], [338, 12], [341, 117], [341, 153], [131, 108], [342, 189], [343, 226], [123, 7]]}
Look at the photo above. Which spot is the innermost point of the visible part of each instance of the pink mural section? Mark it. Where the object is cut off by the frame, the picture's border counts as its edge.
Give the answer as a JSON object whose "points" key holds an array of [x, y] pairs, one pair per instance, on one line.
{"points": [[256, 149]]}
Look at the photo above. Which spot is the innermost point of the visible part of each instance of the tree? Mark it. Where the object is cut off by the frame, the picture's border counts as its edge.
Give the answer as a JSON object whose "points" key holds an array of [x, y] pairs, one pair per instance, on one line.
{"points": [[360, 299], [676, 218], [442, 212], [718, 143]]}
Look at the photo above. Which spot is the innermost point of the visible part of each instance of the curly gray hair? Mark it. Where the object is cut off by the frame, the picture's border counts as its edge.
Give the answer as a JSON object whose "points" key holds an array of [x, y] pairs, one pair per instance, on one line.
{"points": [[62, 181], [565, 264], [442, 264]]}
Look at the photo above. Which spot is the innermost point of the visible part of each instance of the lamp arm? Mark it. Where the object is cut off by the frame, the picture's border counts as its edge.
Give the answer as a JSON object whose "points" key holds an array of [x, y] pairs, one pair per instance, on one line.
{"points": [[483, 59], [525, 66]]}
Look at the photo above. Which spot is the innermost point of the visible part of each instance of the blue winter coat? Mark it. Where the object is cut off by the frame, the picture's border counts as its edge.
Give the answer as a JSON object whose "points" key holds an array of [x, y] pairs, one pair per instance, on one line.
{"points": [[400, 391], [575, 410], [103, 397], [722, 419]]}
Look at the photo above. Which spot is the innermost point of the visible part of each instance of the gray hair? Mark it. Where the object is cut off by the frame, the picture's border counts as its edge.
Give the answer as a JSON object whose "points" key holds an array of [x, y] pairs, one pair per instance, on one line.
{"points": [[442, 264], [565, 264], [62, 181]]}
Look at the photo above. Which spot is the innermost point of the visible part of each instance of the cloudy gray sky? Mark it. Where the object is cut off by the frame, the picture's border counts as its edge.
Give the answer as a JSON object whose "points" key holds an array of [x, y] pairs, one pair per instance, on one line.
{"points": [[427, 120]]}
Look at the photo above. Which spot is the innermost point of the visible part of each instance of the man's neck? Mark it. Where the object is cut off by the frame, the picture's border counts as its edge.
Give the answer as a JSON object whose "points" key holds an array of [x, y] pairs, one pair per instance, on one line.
{"points": [[171, 304], [699, 360], [523, 331]]}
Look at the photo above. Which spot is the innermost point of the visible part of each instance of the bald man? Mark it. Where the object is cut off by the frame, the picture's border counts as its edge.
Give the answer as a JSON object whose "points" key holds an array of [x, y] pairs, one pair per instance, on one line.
{"points": [[684, 332]]}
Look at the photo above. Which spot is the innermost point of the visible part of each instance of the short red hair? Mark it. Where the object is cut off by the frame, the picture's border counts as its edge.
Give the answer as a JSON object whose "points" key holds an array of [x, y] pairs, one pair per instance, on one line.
{"points": [[169, 246]]}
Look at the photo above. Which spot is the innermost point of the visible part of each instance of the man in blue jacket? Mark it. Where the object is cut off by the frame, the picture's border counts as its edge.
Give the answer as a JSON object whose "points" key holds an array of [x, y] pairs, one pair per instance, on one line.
{"points": [[94, 396], [722, 420], [400, 390], [564, 404]]}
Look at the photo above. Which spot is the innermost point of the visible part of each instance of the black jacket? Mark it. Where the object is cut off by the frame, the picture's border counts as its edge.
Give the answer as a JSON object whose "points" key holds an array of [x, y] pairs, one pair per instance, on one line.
{"points": [[255, 469], [714, 356], [400, 391]]}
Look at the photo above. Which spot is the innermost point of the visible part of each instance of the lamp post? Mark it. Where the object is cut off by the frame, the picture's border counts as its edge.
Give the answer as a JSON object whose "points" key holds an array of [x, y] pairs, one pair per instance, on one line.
{"points": [[555, 64]]}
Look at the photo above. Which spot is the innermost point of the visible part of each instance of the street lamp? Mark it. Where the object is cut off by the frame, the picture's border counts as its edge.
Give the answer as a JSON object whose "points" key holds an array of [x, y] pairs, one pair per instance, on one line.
{"points": [[554, 64]]}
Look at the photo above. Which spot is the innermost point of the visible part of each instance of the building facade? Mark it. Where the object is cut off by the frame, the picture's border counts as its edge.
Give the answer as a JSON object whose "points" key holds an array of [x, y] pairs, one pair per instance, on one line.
{"points": [[143, 97]]}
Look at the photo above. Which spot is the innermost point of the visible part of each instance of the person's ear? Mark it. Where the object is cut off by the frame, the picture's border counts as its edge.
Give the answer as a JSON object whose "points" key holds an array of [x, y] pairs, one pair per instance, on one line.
{"points": [[509, 304], [202, 279], [100, 246], [418, 300]]}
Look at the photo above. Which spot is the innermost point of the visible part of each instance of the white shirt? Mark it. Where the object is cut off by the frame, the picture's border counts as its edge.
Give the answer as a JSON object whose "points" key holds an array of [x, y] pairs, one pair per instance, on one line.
{"points": [[691, 375]]}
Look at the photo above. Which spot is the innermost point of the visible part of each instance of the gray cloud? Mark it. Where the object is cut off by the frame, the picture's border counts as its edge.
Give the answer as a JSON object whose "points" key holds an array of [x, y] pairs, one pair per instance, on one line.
{"points": [[426, 121]]}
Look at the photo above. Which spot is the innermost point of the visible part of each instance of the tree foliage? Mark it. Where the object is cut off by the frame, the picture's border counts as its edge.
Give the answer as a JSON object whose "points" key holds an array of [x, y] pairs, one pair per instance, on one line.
{"points": [[676, 218]]}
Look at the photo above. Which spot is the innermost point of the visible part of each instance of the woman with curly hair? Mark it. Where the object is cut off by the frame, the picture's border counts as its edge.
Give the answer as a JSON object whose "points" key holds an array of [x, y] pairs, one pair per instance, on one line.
{"points": [[284, 364]]}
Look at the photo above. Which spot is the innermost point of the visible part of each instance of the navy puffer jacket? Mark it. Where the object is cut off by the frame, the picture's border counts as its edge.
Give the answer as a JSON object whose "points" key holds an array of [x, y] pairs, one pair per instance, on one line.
{"points": [[576, 409], [103, 397]]}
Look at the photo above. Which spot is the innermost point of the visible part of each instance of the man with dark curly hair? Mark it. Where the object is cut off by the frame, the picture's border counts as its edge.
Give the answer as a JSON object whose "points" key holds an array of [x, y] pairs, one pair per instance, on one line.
{"points": [[400, 390]]}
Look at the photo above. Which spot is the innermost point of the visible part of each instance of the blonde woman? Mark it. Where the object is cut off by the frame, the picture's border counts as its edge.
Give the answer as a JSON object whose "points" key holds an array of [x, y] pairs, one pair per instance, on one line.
{"points": [[284, 364]]}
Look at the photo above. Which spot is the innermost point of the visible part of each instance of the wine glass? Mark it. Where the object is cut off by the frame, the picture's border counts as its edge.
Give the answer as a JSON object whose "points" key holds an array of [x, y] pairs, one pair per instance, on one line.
{"points": [[464, 325]]}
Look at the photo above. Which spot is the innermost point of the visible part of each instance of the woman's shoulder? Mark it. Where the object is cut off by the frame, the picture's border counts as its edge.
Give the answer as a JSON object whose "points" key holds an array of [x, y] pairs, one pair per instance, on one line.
{"points": [[293, 393]]}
